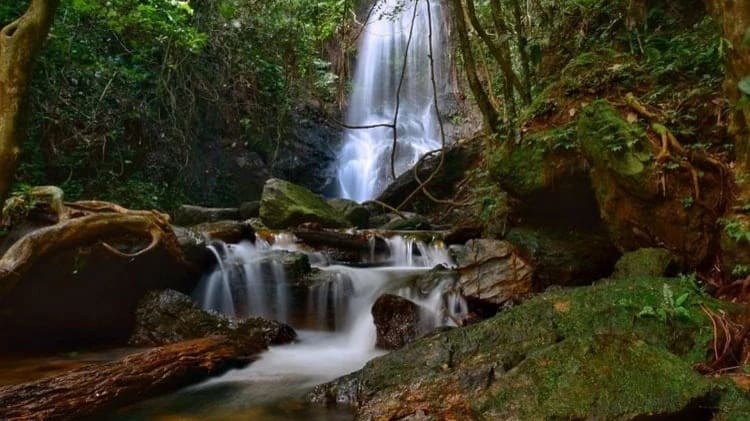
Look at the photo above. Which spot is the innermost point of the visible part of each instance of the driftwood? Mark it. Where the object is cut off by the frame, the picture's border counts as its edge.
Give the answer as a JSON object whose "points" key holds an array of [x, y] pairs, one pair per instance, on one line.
{"points": [[98, 388]]}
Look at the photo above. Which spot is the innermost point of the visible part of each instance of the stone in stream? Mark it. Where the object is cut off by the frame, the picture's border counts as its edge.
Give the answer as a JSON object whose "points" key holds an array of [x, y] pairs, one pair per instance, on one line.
{"points": [[284, 205], [396, 321], [165, 317], [493, 272], [187, 215]]}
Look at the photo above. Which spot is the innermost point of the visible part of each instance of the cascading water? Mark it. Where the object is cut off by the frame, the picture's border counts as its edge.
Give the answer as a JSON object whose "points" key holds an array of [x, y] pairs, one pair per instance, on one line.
{"points": [[364, 162]]}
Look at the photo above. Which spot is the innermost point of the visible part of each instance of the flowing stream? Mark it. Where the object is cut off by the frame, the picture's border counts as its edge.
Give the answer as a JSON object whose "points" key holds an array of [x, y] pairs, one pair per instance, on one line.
{"points": [[331, 311], [364, 163]]}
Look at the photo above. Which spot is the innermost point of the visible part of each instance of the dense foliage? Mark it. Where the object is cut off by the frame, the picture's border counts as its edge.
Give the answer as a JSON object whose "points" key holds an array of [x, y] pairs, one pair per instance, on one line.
{"points": [[130, 94]]}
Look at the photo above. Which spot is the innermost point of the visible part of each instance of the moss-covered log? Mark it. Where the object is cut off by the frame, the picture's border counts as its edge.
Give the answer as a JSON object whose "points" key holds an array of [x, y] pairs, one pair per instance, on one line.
{"points": [[20, 42]]}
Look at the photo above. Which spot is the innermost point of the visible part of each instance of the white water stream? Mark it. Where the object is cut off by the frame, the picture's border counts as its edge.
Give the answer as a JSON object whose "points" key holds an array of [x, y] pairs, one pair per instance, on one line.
{"points": [[332, 316], [364, 168]]}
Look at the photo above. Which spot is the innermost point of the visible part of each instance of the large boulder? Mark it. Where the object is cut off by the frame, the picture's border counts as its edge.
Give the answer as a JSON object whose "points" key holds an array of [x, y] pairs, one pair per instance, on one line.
{"points": [[187, 215], [396, 321], [92, 267], [284, 205], [581, 353], [493, 272], [165, 317]]}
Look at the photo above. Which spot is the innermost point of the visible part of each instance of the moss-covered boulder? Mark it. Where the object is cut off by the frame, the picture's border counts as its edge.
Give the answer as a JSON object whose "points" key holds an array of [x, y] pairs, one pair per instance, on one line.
{"points": [[585, 353], [645, 262], [284, 205]]}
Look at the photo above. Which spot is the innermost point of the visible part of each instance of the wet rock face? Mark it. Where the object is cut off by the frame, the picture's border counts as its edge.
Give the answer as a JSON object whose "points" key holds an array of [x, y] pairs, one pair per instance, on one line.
{"points": [[165, 317], [396, 321], [285, 205], [493, 272]]}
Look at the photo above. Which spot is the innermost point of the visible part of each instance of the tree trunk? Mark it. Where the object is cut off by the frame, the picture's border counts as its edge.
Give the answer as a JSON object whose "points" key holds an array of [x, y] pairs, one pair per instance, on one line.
{"points": [[490, 114], [20, 43], [734, 17]]}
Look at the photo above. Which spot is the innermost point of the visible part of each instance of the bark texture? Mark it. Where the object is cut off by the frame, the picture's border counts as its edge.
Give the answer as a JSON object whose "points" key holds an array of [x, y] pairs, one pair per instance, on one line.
{"points": [[20, 43], [95, 389], [734, 18]]}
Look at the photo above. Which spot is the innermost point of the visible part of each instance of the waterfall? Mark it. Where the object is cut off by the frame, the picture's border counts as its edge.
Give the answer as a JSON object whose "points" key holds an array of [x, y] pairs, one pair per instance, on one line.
{"points": [[251, 280], [364, 161]]}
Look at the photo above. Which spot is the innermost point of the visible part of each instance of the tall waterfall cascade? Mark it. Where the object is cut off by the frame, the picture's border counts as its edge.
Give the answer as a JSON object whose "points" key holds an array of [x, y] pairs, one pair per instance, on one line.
{"points": [[364, 163]]}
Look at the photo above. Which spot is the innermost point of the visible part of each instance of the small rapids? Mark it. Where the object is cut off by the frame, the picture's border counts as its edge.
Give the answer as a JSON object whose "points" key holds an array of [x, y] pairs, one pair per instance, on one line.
{"points": [[330, 309]]}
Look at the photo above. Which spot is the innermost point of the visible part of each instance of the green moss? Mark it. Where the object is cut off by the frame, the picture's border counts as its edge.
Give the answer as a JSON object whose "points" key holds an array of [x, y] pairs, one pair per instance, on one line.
{"points": [[644, 262], [614, 145], [528, 167], [611, 377], [573, 354], [594, 71], [285, 205]]}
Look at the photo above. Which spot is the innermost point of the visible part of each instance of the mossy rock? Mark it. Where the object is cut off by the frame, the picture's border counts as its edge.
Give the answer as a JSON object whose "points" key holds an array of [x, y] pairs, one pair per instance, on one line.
{"points": [[615, 146], [584, 353], [284, 205], [645, 262], [536, 163]]}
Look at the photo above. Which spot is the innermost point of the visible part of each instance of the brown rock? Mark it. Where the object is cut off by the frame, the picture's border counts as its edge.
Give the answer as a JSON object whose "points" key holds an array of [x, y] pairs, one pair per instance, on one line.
{"points": [[396, 321], [493, 272]]}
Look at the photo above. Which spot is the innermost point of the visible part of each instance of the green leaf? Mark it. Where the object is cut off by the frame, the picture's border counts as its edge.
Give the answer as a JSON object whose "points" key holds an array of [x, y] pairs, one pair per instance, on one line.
{"points": [[746, 38], [647, 311], [681, 299], [744, 86], [682, 312]]}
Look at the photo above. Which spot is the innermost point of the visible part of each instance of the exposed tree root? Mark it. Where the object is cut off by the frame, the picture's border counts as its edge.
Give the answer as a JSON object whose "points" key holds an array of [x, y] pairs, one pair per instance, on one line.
{"points": [[89, 229], [730, 344], [671, 148]]}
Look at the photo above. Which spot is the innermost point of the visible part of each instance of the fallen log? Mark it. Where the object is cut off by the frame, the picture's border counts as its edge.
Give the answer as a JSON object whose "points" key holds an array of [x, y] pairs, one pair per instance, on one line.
{"points": [[340, 240], [98, 388]]}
